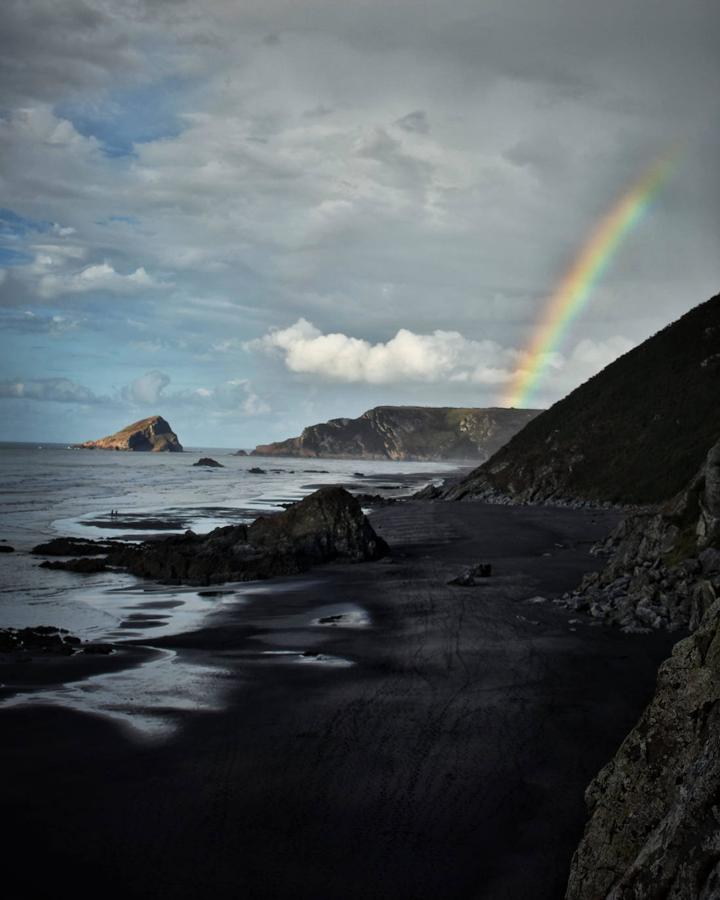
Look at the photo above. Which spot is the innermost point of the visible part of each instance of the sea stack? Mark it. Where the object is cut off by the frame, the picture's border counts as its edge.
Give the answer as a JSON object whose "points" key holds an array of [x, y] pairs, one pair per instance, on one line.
{"points": [[153, 434]]}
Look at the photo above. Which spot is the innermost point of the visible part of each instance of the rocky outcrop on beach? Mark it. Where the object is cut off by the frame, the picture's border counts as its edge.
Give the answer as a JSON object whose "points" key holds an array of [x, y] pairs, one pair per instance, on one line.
{"points": [[152, 434], [327, 525], [407, 433], [69, 546], [663, 568], [209, 462], [632, 435], [654, 828]]}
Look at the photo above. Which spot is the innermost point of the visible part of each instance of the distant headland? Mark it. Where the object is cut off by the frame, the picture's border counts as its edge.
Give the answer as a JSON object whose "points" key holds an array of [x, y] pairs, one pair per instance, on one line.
{"points": [[407, 433]]}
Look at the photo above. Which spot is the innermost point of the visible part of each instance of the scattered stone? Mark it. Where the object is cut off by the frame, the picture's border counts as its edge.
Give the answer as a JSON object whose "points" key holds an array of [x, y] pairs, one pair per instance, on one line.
{"points": [[375, 500], [257, 471], [208, 461], [536, 600], [240, 453], [6, 548], [469, 576]]}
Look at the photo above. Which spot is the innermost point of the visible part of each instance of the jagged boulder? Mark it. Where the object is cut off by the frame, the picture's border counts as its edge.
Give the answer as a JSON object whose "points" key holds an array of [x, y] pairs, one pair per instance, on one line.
{"points": [[329, 524], [209, 462], [654, 828]]}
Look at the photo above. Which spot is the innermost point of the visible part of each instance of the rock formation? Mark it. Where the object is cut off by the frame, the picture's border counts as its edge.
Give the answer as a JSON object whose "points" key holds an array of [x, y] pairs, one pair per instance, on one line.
{"points": [[634, 434], [663, 569], [152, 434], [654, 828], [407, 432], [209, 462], [328, 524]]}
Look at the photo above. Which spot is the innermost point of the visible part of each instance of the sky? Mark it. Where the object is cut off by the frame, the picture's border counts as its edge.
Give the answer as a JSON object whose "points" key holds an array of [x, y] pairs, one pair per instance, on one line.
{"points": [[249, 216]]}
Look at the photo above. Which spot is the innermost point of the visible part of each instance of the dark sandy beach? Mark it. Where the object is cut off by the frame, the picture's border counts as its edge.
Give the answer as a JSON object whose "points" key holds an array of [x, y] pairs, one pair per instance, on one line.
{"points": [[448, 761]]}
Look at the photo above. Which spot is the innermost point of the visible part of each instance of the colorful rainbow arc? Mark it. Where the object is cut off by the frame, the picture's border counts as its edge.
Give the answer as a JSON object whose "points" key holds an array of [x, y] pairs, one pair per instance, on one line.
{"points": [[576, 285]]}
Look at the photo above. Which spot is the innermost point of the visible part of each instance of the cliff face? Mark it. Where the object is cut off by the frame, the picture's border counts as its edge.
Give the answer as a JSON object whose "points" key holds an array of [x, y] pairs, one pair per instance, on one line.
{"points": [[663, 569], [634, 434], [407, 432], [152, 434], [654, 828]]}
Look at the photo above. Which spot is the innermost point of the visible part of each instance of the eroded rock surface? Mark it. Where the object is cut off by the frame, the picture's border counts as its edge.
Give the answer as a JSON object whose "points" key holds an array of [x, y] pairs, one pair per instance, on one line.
{"points": [[663, 569], [654, 829], [329, 524], [407, 432], [152, 434]]}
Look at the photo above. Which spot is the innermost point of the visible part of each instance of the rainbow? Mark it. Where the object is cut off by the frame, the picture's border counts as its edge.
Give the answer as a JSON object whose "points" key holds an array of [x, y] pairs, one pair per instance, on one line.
{"points": [[577, 284]]}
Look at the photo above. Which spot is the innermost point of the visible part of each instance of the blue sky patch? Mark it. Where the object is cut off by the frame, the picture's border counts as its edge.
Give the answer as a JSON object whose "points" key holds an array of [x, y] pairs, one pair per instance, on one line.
{"points": [[128, 117]]}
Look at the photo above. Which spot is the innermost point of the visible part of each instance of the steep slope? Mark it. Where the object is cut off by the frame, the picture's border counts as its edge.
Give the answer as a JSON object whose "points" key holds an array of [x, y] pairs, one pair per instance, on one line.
{"points": [[635, 433], [152, 434], [407, 432]]}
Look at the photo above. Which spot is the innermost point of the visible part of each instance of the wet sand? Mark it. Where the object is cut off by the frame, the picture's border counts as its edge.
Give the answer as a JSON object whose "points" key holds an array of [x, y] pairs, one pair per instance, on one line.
{"points": [[446, 758]]}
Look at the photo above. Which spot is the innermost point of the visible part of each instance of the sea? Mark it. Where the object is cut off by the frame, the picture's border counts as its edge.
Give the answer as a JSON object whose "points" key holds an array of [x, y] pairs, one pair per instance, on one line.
{"points": [[52, 490]]}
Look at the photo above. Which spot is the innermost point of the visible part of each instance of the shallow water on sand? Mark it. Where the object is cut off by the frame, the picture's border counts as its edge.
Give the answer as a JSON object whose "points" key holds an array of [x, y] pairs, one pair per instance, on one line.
{"points": [[55, 491]]}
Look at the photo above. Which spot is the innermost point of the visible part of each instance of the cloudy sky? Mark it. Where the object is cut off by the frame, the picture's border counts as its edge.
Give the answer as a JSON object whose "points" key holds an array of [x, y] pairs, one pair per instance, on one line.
{"points": [[253, 215]]}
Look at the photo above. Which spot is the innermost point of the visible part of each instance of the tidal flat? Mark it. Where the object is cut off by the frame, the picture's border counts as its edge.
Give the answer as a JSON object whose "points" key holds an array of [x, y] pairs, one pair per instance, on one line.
{"points": [[446, 756]]}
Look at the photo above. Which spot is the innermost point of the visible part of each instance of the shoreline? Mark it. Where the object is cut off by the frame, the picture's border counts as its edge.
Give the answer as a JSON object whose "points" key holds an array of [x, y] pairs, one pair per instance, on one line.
{"points": [[449, 759]]}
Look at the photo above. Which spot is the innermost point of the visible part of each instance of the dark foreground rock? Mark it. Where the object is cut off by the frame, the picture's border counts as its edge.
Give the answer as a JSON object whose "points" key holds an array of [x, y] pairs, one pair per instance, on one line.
{"points": [[83, 566], [654, 829], [470, 576], [39, 639], [6, 548], [327, 525], [209, 461], [67, 546]]}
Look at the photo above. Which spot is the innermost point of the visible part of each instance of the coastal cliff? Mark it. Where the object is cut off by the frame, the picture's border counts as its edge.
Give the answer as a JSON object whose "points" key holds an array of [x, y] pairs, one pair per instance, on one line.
{"points": [[407, 433], [635, 433], [152, 434]]}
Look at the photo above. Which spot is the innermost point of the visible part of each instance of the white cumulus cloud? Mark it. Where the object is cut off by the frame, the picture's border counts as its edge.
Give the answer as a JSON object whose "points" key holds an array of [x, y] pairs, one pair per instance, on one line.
{"points": [[97, 277], [407, 357]]}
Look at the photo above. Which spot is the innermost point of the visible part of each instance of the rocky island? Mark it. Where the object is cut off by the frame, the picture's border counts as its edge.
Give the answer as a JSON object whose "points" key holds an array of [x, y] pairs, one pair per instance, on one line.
{"points": [[153, 434], [407, 433]]}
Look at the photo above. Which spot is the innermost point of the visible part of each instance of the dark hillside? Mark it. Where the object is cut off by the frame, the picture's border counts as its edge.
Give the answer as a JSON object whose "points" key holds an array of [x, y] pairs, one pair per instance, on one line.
{"points": [[634, 433]]}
